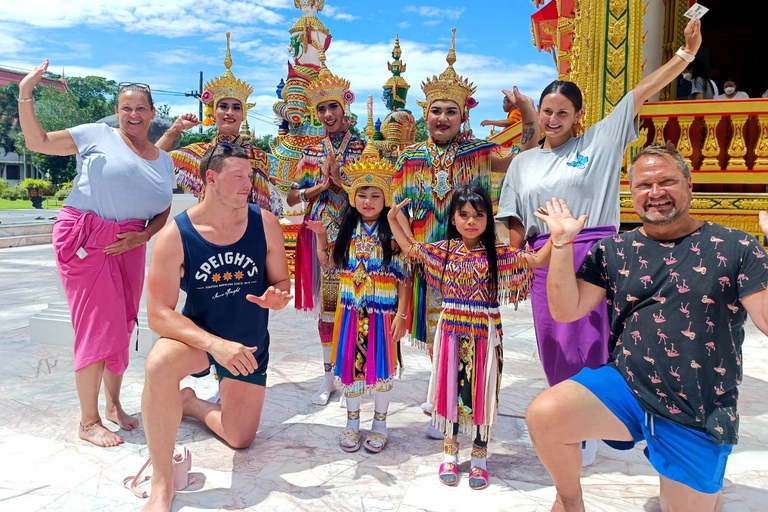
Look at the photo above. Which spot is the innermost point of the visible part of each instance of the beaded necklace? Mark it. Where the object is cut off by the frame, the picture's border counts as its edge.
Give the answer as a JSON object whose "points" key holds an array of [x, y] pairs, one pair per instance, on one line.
{"points": [[442, 166]]}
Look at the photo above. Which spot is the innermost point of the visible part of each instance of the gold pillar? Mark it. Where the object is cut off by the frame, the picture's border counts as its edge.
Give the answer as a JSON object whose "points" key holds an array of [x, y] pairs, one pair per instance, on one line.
{"points": [[737, 149], [659, 123], [711, 148], [761, 149], [684, 144]]}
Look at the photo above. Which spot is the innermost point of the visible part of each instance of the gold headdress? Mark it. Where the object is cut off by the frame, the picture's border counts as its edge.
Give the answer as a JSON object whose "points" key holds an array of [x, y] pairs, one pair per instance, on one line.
{"points": [[225, 86], [327, 87], [448, 86], [370, 170]]}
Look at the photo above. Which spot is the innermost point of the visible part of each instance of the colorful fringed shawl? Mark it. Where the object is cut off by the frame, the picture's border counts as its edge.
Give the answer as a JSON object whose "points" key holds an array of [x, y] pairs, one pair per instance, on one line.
{"points": [[369, 287], [428, 177], [187, 163], [330, 206], [468, 311]]}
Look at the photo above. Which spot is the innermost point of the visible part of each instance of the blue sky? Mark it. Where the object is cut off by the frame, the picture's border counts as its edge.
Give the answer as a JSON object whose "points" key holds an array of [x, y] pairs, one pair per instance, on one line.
{"points": [[167, 43]]}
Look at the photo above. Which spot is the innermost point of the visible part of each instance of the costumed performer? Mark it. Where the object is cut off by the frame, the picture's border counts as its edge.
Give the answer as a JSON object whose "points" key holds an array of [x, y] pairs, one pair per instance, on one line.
{"points": [[585, 170], [120, 198], [373, 295], [429, 172], [318, 181], [226, 105], [466, 367]]}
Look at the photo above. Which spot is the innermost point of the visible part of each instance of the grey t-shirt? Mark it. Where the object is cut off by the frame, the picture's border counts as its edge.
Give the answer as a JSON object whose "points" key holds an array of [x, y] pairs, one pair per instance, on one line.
{"points": [[114, 182], [585, 171]]}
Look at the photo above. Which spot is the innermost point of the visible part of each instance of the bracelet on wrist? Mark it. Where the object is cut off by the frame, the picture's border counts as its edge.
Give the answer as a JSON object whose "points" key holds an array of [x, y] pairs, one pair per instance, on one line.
{"points": [[26, 100], [170, 132], [687, 57], [402, 315], [560, 246], [303, 195], [322, 250]]}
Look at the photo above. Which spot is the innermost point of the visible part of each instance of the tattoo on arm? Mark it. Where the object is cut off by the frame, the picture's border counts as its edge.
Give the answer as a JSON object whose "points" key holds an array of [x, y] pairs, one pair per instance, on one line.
{"points": [[528, 132]]}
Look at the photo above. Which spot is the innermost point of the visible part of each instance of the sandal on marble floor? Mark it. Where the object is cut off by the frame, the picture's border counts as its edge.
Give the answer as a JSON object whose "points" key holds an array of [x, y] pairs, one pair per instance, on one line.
{"points": [[478, 478], [375, 436], [449, 474], [349, 434]]}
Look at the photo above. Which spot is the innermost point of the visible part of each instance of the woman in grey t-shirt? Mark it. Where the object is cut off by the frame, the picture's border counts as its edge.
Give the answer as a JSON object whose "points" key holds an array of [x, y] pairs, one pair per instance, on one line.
{"points": [[585, 171], [121, 196]]}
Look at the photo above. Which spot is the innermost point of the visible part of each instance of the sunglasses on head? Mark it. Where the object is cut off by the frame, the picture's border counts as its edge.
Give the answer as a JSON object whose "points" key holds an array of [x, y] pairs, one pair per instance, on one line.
{"points": [[137, 85]]}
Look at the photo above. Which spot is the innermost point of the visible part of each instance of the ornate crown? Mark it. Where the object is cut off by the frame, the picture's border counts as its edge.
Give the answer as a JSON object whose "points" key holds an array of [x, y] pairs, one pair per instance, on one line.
{"points": [[370, 170], [327, 87], [226, 86], [448, 86]]}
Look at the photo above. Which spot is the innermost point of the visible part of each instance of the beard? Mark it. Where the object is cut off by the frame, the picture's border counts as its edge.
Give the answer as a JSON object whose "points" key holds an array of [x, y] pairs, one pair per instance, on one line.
{"points": [[661, 219]]}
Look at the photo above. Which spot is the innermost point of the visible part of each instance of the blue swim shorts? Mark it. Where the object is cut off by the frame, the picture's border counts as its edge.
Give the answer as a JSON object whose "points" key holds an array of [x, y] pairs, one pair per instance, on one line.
{"points": [[677, 452]]}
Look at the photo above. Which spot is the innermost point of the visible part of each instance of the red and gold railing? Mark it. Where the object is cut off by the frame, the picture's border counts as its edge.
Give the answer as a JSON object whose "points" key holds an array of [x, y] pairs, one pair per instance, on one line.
{"points": [[726, 145], [724, 141]]}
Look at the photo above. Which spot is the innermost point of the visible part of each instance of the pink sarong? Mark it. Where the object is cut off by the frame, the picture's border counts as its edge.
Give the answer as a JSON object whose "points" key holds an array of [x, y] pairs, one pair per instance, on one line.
{"points": [[103, 291]]}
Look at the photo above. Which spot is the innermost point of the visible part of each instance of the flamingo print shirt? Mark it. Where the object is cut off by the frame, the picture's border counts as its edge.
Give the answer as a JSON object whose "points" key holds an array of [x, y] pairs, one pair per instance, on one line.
{"points": [[677, 322]]}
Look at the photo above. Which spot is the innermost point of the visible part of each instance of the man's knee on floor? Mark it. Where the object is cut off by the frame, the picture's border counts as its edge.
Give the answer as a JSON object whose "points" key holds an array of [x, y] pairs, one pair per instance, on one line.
{"points": [[240, 439]]}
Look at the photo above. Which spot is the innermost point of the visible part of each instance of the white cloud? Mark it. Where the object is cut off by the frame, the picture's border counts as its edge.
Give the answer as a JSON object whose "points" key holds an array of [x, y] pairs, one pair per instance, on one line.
{"points": [[346, 17], [184, 56], [435, 12], [432, 22], [403, 24], [171, 18]]}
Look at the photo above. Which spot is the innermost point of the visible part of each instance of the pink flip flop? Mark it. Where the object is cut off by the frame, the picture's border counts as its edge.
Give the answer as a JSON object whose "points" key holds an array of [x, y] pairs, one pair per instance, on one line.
{"points": [[449, 474], [478, 478]]}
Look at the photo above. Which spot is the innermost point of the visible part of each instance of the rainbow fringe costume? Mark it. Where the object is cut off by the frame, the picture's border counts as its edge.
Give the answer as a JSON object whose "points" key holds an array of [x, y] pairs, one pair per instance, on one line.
{"points": [[430, 207], [187, 163], [469, 334], [363, 350], [330, 206]]}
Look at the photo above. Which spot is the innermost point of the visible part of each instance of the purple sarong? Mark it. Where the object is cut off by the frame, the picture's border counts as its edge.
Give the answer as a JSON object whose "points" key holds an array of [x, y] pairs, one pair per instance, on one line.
{"points": [[566, 348]]}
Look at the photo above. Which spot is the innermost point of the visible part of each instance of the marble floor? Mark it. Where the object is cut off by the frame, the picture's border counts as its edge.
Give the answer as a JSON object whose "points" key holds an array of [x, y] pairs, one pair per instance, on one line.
{"points": [[295, 462]]}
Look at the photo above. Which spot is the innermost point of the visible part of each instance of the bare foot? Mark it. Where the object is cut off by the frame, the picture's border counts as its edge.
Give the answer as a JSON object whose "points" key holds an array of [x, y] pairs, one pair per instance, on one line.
{"points": [[122, 418], [99, 435], [188, 397], [158, 503], [559, 506]]}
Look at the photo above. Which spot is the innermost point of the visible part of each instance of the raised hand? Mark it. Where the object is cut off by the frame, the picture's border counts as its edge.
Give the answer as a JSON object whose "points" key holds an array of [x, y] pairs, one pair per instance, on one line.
{"points": [[397, 208], [316, 226], [273, 299], [563, 227], [693, 36], [236, 358], [28, 83], [185, 122], [763, 222], [519, 99]]}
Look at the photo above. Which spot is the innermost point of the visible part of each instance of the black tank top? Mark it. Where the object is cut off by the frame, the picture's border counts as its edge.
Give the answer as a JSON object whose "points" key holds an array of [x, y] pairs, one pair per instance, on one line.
{"points": [[218, 277]]}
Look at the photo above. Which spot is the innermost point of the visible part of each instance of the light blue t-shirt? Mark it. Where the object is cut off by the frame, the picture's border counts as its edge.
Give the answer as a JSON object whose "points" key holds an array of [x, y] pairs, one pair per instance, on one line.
{"points": [[114, 182], [585, 171]]}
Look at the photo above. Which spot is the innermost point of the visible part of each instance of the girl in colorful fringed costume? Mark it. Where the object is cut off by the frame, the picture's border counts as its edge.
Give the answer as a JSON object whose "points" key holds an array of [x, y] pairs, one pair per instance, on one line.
{"points": [[226, 104], [319, 178], [373, 297], [429, 172], [466, 366]]}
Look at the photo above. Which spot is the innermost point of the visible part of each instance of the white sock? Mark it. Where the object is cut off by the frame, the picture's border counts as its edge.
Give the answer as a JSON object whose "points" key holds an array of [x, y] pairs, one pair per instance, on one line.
{"points": [[328, 380], [479, 455], [353, 409], [380, 406]]}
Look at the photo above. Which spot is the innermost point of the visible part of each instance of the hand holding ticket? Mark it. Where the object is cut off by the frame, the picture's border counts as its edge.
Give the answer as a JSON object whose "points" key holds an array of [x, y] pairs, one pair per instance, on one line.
{"points": [[696, 11]]}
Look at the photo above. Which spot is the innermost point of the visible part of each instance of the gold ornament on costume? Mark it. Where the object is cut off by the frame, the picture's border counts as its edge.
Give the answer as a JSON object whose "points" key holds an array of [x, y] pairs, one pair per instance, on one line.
{"points": [[370, 170], [448, 86], [225, 86], [328, 87]]}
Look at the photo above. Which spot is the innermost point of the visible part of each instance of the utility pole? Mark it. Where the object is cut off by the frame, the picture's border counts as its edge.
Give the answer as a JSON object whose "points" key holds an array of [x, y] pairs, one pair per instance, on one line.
{"points": [[197, 94]]}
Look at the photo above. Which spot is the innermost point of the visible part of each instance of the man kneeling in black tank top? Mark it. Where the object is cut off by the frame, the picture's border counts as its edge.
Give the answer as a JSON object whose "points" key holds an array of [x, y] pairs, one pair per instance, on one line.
{"points": [[230, 259]]}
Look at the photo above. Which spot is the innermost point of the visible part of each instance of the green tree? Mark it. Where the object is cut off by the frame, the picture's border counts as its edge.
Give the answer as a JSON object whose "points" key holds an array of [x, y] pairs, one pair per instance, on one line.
{"points": [[263, 142], [421, 130], [9, 116]]}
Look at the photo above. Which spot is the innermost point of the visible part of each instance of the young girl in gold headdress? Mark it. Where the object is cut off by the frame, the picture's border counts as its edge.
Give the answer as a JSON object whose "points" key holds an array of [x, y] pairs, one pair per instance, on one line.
{"points": [[373, 297]]}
